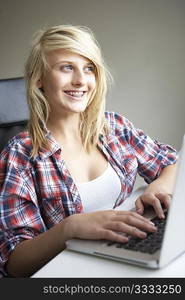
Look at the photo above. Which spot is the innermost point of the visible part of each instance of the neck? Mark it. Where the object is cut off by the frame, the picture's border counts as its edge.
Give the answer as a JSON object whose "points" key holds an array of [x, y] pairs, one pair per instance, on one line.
{"points": [[65, 127]]}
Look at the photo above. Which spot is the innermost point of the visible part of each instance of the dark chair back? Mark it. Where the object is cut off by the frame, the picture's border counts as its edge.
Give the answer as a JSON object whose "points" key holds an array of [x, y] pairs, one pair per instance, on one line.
{"points": [[13, 109]]}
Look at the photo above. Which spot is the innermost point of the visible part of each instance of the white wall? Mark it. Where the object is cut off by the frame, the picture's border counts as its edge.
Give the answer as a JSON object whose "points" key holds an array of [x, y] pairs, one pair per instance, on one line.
{"points": [[143, 43]]}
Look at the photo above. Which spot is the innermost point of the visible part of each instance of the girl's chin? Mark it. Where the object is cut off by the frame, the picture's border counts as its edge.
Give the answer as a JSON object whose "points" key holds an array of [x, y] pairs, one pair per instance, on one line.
{"points": [[77, 109]]}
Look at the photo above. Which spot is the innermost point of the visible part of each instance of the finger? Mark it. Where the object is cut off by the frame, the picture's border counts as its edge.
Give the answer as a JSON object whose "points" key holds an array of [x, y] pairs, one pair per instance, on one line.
{"points": [[165, 199], [132, 229], [139, 206], [113, 236], [125, 228], [151, 199], [140, 223], [125, 215], [155, 202]]}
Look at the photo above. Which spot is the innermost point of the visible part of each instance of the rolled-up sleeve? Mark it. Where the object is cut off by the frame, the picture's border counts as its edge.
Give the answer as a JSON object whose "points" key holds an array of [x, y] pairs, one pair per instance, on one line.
{"points": [[139, 152], [152, 155], [19, 216]]}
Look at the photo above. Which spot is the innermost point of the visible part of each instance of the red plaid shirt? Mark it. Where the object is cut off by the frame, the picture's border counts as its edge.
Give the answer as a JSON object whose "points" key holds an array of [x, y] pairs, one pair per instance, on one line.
{"points": [[36, 193]]}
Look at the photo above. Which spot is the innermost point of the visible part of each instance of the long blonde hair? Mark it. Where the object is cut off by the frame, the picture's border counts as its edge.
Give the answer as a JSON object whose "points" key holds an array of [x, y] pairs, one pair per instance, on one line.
{"points": [[80, 40]]}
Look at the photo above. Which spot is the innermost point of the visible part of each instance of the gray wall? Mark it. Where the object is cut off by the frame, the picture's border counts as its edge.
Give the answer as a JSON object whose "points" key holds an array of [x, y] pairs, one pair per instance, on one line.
{"points": [[143, 43]]}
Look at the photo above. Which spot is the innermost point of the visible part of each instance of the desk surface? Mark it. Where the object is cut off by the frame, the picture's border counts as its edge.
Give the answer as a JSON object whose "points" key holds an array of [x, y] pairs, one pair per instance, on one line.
{"points": [[73, 264]]}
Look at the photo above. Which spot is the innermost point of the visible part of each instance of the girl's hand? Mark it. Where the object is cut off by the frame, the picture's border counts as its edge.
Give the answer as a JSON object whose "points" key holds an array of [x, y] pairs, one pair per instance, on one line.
{"points": [[159, 192], [109, 224], [158, 200]]}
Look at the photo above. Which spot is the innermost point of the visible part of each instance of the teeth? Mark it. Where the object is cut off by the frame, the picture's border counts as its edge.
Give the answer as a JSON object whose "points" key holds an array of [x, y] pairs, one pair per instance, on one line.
{"points": [[75, 94]]}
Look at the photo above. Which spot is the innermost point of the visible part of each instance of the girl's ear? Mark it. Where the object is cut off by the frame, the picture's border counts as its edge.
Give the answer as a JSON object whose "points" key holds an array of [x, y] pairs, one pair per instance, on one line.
{"points": [[39, 84]]}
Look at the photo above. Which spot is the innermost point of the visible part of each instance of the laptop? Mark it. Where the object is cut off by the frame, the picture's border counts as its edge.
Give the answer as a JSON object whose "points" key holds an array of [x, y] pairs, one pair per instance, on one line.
{"points": [[170, 242]]}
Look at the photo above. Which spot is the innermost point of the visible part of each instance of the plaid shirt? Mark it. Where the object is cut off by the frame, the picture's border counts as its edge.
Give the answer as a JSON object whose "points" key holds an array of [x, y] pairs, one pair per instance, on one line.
{"points": [[37, 193]]}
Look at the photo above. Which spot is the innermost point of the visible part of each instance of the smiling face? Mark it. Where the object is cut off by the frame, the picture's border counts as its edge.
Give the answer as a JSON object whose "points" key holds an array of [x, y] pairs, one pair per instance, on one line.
{"points": [[68, 83]]}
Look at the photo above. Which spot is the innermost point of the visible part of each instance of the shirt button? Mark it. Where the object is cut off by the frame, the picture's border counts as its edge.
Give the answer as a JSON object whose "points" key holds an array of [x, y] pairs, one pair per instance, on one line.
{"points": [[57, 153], [78, 208]]}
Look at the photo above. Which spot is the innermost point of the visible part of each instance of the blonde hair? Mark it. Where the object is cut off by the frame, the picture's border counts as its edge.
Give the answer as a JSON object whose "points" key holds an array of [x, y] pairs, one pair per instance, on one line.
{"points": [[80, 40]]}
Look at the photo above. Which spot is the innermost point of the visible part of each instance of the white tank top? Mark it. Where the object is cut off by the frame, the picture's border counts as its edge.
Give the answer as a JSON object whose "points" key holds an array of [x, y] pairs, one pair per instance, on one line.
{"points": [[100, 193]]}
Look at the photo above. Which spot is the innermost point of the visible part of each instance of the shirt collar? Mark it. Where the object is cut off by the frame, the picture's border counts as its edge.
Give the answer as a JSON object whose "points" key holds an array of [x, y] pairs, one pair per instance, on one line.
{"points": [[53, 148]]}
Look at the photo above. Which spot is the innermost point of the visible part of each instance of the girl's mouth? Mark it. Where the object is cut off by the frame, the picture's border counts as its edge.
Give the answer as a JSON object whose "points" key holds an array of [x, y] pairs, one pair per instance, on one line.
{"points": [[75, 94]]}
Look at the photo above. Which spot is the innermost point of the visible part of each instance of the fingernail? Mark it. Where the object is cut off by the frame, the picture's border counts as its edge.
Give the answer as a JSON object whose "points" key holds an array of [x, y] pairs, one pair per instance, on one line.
{"points": [[143, 234], [151, 223], [139, 211]]}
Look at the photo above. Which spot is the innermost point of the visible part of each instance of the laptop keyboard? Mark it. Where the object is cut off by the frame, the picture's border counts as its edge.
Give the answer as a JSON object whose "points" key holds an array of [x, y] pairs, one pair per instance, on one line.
{"points": [[150, 244]]}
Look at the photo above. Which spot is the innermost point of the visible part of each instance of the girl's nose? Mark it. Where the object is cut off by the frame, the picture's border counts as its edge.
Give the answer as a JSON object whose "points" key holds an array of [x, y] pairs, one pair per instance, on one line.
{"points": [[78, 78]]}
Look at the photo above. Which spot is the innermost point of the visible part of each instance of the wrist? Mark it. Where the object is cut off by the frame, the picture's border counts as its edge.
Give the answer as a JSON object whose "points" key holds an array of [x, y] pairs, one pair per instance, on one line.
{"points": [[158, 186], [68, 228]]}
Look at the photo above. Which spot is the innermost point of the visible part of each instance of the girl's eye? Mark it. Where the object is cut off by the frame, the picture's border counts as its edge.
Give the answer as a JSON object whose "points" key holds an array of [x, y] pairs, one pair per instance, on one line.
{"points": [[90, 69], [87, 69], [66, 67]]}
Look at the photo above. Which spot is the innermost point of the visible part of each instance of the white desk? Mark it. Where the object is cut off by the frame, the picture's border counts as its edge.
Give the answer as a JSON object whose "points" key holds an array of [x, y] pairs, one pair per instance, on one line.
{"points": [[73, 264]]}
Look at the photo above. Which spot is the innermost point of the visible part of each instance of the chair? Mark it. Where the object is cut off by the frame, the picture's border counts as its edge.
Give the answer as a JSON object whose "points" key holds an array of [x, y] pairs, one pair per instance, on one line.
{"points": [[14, 109]]}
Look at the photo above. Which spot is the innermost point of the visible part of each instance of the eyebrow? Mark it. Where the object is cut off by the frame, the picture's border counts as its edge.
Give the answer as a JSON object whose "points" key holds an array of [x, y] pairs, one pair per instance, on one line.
{"points": [[70, 62]]}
